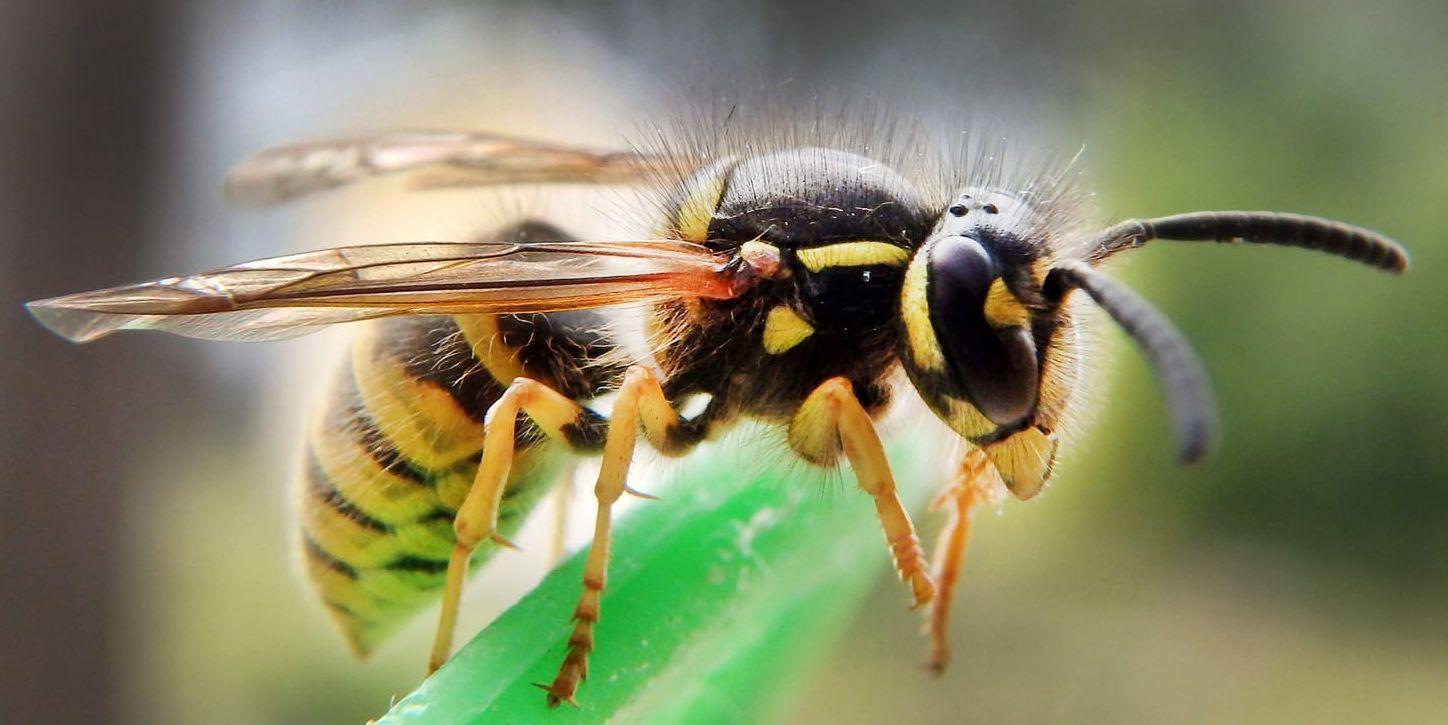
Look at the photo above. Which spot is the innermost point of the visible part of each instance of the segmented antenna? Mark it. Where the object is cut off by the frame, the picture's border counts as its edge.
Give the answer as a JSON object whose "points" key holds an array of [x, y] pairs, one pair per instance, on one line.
{"points": [[1183, 378], [1257, 227]]}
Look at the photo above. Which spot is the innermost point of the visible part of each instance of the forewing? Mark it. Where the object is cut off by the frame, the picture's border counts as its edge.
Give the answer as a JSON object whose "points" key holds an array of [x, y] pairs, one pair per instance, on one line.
{"points": [[434, 159], [296, 294]]}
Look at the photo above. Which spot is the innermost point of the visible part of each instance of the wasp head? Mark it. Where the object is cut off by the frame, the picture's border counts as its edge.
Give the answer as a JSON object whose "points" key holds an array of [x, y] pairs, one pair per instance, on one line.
{"points": [[991, 344], [979, 340]]}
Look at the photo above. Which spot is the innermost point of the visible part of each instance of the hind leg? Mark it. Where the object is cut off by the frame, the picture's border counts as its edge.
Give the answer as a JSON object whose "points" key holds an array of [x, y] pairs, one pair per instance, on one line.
{"points": [[562, 496], [477, 519]]}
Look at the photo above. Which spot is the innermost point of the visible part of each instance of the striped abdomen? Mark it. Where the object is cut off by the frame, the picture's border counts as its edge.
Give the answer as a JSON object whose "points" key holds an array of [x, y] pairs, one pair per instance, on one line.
{"points": [[396, 447]]}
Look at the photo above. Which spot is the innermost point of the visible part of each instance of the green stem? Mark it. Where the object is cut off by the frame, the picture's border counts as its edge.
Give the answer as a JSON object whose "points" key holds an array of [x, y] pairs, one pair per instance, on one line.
{"points": [[719, 598]]}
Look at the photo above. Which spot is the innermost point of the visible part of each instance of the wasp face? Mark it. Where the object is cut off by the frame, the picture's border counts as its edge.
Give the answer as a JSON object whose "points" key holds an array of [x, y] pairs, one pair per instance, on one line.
{"points": [[978, 336]]}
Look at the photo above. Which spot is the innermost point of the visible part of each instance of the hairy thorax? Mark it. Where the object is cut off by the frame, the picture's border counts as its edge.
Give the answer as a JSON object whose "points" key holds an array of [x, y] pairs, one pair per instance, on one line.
{"points": [[837, 230]]}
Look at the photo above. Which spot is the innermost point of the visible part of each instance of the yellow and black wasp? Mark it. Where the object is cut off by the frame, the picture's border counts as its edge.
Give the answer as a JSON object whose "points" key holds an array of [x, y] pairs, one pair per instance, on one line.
{"points": [[786, 283]]}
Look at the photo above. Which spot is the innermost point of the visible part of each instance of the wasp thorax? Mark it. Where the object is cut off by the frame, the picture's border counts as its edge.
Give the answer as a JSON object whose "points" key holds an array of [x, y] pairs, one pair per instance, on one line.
{"points": [[833, 231]]}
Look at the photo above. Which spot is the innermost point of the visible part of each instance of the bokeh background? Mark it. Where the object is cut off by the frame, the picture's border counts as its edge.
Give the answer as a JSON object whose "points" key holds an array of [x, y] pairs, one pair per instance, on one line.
{"points": [[1299, 576]]}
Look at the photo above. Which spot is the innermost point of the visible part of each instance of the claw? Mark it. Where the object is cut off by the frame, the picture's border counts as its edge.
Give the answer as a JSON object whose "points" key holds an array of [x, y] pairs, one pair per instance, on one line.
{"points": [[553, 698], [942, 499], [506, 544], [640, 494]]}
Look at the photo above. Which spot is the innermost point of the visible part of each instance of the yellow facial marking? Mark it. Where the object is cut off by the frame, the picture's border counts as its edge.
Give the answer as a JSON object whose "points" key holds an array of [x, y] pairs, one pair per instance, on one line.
{"points": [[783, 329], [853, 254], [1002, 309], [964, 418], [920, 335], [1060, 371], [1024, 461]]}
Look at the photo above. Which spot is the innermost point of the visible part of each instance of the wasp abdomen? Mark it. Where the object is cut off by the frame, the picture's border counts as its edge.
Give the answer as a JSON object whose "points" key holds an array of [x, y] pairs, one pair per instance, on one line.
{"points": [[396, 448]]}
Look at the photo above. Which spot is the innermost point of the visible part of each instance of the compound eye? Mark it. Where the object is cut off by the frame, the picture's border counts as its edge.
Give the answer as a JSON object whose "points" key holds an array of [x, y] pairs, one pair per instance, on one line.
{"points": [[990, 354]]}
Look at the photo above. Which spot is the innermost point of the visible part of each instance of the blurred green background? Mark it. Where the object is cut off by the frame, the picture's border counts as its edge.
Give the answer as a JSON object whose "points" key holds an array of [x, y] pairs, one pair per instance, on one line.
{"points": [[1301, 575]]}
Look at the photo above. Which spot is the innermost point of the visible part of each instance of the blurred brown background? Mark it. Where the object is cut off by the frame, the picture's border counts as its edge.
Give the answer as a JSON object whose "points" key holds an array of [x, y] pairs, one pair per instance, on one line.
{"points": [[1301, 575]]}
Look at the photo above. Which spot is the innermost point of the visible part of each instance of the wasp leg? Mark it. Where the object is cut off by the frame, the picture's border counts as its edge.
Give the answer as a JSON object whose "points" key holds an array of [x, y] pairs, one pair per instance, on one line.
{"points": [[562, 495], [477, 518], [640, 400], [967, 490], [832, 418]]}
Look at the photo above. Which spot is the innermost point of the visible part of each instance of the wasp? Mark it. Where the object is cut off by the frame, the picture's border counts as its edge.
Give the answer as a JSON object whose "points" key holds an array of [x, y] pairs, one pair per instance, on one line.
{"points": [[787, 284]]}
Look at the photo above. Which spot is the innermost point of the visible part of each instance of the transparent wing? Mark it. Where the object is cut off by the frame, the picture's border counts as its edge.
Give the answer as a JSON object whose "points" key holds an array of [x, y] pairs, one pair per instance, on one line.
{"points": [[296, 294], [433, 159]]}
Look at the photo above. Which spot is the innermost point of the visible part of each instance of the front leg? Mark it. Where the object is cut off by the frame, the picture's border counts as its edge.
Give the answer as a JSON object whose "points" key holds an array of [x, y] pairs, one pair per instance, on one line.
{"points": [[832, 419], [973, 479]]}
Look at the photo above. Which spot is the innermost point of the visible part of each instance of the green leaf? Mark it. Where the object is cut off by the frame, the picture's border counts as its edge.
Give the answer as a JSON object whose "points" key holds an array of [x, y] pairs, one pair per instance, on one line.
{"points": [[719, 599]]}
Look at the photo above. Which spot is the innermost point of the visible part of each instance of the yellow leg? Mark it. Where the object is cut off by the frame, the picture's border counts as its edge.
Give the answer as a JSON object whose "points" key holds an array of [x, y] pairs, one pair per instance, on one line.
{"points": [[562, 495], [856, 435], [967, 491], [477, 518], [640, 400]]}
